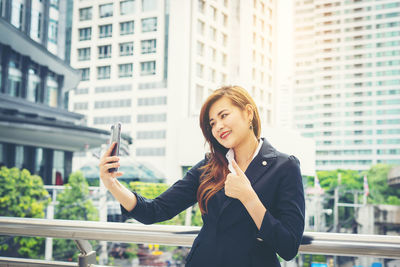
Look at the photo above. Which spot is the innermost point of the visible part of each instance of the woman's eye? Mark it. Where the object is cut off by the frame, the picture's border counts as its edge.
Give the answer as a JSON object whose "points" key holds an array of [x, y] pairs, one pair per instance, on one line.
{"points": [[212, 125], [224, 115]]}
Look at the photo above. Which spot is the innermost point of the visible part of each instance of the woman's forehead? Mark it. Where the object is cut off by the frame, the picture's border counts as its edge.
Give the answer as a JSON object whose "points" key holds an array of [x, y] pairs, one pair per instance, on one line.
{"points": [[221, 103]]}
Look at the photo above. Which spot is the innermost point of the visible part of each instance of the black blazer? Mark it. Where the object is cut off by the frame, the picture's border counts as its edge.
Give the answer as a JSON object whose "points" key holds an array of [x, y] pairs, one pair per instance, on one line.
{"points": [[229, 237]]}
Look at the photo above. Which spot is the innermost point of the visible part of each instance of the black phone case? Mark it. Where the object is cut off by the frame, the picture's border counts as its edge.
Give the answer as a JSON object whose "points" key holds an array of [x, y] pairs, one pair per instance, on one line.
{"points": [[115, 137]]}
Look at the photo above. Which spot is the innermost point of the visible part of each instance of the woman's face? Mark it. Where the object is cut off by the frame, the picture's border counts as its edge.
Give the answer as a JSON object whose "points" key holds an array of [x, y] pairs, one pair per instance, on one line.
{"points": [[229, 124]]}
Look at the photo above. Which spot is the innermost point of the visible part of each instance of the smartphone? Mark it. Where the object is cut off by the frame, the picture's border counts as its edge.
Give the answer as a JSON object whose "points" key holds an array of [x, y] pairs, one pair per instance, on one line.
{"points": [[115, 137]]}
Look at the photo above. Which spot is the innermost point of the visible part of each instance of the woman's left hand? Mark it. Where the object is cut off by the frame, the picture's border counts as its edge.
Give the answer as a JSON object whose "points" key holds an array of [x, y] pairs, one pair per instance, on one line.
{"points": [[238, 186]]}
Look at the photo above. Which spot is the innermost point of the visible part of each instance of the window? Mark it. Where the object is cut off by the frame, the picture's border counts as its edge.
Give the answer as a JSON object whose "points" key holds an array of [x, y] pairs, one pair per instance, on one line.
{"points": [[152, 117], [84, 54], [213, 13], [149, 5], [54, 3], [147, 68], [104, 51], [152, 101], [149, 24], [201, 6], [103, 72], [81, 91], [200, 27], [81, 106], [85, 34], [85, 74], [200, 48], [126, 49], [199, 96], [85, 13], [126, 27], [199, 70], [125, 70], [105, 31], [106, 10], [150, 151], [53, 30], [213, 33], [127, 7], [161, 134], [115, 103], [148, 46]]}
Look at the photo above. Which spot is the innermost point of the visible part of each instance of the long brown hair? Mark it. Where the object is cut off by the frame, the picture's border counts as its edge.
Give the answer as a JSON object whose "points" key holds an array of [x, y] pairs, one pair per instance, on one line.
{"points": [[215, 171]]}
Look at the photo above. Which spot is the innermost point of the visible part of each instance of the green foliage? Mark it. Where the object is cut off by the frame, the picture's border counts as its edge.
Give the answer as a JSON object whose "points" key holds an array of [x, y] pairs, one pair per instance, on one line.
{"points": [[22, 195], [73, 204], [380, 191]]}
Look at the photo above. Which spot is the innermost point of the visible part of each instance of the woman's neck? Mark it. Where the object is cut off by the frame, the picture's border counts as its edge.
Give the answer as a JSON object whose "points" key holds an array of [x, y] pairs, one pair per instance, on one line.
{"points": [[245, 151]]}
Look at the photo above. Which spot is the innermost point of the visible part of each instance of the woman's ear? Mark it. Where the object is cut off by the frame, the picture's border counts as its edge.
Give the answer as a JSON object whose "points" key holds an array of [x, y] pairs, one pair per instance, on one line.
{"points": [[250, 112]]}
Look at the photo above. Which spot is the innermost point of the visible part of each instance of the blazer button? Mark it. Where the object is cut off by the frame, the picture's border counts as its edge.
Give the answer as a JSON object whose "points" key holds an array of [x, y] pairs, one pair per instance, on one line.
{"points": [[260, 239], [264, 163]]}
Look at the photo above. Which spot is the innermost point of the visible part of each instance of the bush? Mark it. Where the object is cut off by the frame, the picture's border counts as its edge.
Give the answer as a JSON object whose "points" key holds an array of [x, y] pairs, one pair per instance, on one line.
{"points": [[22, 195]]}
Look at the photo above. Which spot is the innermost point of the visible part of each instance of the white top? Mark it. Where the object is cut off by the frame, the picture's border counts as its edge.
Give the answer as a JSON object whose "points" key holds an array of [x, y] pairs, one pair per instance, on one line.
{"points": [[231, 155]]}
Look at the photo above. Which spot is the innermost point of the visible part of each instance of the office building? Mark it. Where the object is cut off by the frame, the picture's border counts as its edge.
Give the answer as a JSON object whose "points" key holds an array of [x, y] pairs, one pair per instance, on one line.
{"points": [[151, 63], [347, 81]]}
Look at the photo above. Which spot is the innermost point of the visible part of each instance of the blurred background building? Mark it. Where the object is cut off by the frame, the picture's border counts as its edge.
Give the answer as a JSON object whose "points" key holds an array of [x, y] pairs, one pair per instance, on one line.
{"points": [[151, 64], [37, 132], [346, 79]]}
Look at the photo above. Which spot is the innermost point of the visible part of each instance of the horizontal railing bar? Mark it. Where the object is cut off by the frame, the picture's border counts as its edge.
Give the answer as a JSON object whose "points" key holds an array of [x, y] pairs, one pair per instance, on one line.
{"points": [[21, 262], [322, 243]]}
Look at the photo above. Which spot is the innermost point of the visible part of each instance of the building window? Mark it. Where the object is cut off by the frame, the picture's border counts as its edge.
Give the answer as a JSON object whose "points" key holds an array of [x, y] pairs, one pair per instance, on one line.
{"points": [[159, 117], [112, 119], [126, 49], [201, 6], [106, 10], [84, 54], [200, 49], [85, 34], [125, 70], [148, 46], [54, 4], [53, 30], [200, 27], [126, 27], [104, 51], [151, 134], [147, 68], [81, 91], [105, 31], [199, 96], [85, 74], [103, 72], [85, 13], [199, 70], [115, 103], [17, 14], [149, 24], [81, 106], [149, 5], [150, 151], [213, 33], [127, 7], [152, 101]]}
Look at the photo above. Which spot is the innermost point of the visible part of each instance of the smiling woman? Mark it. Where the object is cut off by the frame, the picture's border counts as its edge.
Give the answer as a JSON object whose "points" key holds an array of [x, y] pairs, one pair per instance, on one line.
{"points": [[250, 195]]}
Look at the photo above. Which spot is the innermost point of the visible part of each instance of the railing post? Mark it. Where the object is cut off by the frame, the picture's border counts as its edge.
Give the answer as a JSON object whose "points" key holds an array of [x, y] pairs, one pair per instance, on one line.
{"points": [[87, 256]]}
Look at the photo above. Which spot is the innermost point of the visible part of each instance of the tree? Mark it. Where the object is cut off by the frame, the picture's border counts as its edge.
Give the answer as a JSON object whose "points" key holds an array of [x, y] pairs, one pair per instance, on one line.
{"points": [[380, 191], [22, 195], [73, 204]]}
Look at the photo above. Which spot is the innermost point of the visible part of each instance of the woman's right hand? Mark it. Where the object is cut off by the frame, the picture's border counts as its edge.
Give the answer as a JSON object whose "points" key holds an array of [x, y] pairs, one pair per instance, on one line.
{"points": [[106, 162]]}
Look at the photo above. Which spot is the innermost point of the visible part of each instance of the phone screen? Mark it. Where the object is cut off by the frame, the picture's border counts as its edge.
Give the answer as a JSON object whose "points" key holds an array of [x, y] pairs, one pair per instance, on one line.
{"points": [[115, 137]]}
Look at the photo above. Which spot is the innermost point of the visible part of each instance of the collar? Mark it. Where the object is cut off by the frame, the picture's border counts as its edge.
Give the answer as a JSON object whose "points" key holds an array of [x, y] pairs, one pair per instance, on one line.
{"points": [[230, 155]]}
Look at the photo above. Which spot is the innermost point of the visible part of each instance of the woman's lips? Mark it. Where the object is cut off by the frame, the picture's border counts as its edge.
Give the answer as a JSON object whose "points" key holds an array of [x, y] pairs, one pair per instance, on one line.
{"points": [[224, 135]]}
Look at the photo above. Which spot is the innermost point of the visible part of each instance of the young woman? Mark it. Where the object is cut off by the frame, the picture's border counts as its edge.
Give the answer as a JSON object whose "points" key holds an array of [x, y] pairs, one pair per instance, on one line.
{"points": [[250, 195]]}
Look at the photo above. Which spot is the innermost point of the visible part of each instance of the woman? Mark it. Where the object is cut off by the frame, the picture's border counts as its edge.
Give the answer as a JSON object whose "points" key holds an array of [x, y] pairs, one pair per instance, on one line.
{"points": [[250, 195]]}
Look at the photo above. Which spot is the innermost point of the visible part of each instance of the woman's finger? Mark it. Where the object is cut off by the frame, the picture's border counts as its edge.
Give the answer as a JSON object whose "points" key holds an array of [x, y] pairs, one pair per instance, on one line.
{"points": [[110, 148], [117, 174], [111, 165]]}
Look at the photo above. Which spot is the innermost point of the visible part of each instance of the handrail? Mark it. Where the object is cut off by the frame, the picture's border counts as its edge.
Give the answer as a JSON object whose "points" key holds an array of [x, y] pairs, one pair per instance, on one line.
{"points": [[322, 243]]}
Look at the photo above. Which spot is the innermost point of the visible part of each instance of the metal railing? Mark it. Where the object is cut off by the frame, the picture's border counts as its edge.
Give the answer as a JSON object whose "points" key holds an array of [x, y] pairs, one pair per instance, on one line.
{"points": [[320, 243]]}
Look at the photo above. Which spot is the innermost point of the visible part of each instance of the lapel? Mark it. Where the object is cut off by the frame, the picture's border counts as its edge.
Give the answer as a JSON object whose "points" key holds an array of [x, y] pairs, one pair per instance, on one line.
{"points": [[258, 166]]}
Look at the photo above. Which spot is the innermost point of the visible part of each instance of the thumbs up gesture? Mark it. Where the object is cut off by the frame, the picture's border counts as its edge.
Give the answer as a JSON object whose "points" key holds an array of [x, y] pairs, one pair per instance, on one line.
{"points": [[237, 185]]}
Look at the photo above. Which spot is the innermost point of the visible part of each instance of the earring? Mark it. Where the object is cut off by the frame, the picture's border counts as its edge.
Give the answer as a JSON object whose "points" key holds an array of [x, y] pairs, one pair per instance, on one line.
{"points": [[251, 125]]}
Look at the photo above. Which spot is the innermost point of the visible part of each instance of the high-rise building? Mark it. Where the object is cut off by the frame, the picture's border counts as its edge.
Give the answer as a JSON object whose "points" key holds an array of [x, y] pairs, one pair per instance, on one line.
{"points": [[347, 81], [151, 63], [36, 130]]}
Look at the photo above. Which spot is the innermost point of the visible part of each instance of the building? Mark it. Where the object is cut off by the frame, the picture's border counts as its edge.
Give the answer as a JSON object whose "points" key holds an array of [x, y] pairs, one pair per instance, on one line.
{"points": [[150, 64], [347, 81], [36, 130]]}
